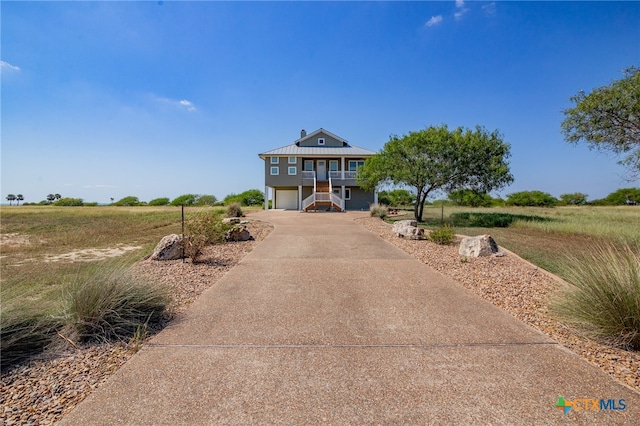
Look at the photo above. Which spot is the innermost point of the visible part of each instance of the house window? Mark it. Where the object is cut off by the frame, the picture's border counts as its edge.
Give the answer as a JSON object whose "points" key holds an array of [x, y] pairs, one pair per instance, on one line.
{"points": [[293, 170], [308, 165], [355, 165], [275, 160], [347, 193], [275, 171], [292, 160], [320, 141], [333, 165]]}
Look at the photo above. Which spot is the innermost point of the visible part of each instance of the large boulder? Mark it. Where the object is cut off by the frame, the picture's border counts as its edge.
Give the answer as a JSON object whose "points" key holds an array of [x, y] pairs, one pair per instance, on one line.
{"points": [[238, 233], [482, 245], [408, 229], [169, 248]]}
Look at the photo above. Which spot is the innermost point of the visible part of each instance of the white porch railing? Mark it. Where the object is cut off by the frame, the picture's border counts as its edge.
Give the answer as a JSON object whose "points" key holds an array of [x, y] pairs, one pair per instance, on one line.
{"points": [[322, 197], [309, 201], [338, 175], [337, 201]]}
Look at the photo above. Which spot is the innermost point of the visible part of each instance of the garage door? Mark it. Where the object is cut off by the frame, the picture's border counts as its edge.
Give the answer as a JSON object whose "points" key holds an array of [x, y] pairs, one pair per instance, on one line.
{"points": [[287, 199]]}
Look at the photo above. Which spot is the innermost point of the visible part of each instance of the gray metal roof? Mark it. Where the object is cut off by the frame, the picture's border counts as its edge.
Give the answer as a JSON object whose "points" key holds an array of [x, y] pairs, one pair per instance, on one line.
{"points": [[317, 151]]}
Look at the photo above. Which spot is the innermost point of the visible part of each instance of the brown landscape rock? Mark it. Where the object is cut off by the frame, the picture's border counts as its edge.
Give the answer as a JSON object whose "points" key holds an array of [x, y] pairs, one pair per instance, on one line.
{"points": [[408, 229], [169, 248], [482, 245], [238, 233]]}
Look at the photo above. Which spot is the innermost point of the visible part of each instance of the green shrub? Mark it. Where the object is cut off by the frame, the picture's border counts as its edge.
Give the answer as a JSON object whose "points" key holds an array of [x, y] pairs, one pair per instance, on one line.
{"points": [[396, 198], [378, 210], [24, 334], [129, 201], [163, 201], [574, 199], [203, 229], [470, 198], [250, 197], [113, 304], [531, 199], [443, 235], [619, 197], [234, 210], [69, 202], [184, 200], [603, 295], [491, 220], [206, 200]]}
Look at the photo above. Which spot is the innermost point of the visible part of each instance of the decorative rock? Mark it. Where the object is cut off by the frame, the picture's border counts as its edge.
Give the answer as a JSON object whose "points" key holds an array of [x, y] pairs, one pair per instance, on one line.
{"points": [[408, 229], [231, 220], [169, 248], [238, 233], [482, 245]]}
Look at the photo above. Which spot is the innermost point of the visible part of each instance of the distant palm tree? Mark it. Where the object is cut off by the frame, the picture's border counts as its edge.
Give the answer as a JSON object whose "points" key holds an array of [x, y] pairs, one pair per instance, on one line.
{"points": [[11, 198], [58, 196], [19, 197], [50, 198]]}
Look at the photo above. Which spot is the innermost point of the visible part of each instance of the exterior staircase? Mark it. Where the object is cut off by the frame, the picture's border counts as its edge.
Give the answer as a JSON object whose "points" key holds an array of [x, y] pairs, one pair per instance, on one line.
{"points": [[323, 196]]}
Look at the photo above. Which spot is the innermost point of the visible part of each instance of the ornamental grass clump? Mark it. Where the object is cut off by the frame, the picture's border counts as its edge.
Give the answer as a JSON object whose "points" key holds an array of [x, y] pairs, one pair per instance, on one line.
{"points": [[379, 210], [602, 297], [235, 210], [24, 334], [113, 304]]}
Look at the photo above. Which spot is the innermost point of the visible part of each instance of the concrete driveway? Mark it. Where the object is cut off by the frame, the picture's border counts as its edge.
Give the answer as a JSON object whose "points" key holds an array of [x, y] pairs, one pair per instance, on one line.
{"points": [[325, 322]]}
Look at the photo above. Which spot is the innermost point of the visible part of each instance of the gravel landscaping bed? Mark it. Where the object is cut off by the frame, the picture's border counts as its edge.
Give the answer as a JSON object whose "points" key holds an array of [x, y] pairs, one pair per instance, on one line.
{"points": [[520, 288], [42, 391]]}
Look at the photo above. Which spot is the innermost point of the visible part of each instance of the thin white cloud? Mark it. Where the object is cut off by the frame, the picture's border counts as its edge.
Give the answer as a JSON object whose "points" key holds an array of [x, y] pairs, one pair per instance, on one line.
{"points": [[435, 20], [100, 186], [188, 105], [490, 8], [182, 103], [461, 9], [6, 66]]}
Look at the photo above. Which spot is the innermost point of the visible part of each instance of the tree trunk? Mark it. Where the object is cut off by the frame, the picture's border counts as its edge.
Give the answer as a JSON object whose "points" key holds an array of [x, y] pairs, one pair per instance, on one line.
{"points": [[417, 214]]}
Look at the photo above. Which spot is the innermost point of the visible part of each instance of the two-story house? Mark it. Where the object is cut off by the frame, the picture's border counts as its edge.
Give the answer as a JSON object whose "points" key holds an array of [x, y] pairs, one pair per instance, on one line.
{"points": [[316, 172]]}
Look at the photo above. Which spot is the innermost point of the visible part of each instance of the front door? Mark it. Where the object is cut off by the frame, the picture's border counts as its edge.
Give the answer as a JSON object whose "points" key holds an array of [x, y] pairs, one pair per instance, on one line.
{"points": [[321, 165]]}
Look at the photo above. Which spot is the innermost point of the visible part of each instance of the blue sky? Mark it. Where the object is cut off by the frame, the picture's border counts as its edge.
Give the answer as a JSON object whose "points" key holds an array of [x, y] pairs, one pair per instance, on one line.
{"points": [[157, 99]]}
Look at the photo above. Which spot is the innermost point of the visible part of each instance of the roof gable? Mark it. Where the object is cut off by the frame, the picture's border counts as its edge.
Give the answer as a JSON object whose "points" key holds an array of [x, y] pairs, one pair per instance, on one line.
{"points": [[321, 137]]}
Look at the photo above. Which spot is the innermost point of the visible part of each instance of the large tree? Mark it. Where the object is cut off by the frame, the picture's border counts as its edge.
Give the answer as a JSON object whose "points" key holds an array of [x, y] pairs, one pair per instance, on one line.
{"points": [[439, 159], [608, 119], [11, 198]]}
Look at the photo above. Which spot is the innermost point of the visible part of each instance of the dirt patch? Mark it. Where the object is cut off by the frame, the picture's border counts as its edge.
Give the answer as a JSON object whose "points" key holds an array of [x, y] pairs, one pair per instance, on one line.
{"points": [[92, 254], [14, 240]]}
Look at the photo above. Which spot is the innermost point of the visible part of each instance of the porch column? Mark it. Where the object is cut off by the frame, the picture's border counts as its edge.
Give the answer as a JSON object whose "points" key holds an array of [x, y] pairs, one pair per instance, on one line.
{"points": [[299, 197], [266, 198], [375, 196], [342, 171]]}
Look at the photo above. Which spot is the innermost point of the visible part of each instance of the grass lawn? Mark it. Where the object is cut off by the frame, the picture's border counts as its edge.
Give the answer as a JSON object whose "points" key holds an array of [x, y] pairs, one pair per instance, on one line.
{"points": [[545, 236], [33, 235]]}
